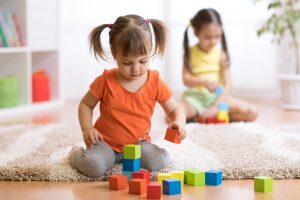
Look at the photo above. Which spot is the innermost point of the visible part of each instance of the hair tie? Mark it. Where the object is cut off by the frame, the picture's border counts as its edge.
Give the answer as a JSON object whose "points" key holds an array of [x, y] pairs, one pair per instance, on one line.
{"points": [[147, 21], [109, 26]]}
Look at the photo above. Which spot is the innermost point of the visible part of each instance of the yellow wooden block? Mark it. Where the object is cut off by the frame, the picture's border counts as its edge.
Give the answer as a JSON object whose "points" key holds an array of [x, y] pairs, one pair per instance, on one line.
{"points": [[178, 175], [222, 115], [162, 176]]}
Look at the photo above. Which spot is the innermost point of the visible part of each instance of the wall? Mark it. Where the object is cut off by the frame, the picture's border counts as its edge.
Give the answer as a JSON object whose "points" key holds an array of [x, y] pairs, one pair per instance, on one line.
{"points": [[254, 60]]}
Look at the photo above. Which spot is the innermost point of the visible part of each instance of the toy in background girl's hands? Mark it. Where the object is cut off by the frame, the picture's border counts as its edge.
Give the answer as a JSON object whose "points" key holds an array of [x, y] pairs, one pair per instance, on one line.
{"points": [[205, 67], [127, 96]]}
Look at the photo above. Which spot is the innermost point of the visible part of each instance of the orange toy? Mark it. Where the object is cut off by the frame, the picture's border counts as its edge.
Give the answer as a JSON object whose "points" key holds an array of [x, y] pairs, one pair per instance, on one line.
{"points": [[172, 135], [118, 182], [137, 186]]}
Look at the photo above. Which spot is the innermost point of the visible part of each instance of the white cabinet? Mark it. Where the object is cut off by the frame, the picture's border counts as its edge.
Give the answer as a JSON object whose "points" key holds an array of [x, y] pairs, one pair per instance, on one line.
{"points": [[38, 21]]}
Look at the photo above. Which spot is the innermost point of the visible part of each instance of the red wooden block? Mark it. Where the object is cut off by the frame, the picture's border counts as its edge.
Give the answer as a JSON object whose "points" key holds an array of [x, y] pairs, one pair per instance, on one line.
{"points": [[211, 120], [142, 174], [172, 135], [137, 186], [220, 121], [153, 191], [118, 182]]}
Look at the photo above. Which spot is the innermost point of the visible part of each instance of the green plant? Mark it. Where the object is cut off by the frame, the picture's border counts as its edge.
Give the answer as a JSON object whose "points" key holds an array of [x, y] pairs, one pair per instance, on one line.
{"points": [[284, 18]]}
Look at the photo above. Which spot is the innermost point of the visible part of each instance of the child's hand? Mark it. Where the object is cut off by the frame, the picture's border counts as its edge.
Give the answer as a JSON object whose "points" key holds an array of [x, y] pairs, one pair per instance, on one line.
{"points": [[211, 85], [91, 136], [180, 126]]}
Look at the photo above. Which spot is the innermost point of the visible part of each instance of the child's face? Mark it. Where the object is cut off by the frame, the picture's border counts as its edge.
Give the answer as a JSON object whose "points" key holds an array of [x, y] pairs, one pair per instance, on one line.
{"points": [[131, 67], [209, 36]]}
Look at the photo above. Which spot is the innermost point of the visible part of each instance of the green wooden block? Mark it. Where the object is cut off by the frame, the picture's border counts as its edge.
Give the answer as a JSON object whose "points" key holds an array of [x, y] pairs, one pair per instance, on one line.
{"points": [[132, 151], [196, 178], [186, 171], [263, 184]]}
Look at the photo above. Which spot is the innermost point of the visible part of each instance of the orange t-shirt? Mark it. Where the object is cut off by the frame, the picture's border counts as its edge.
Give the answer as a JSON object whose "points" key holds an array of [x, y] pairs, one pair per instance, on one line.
{"points": [[126, 116]]}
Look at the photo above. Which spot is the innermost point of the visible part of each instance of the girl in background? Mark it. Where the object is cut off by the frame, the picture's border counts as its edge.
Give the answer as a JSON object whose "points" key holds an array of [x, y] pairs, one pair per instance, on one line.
{"points": [[206, 66]]}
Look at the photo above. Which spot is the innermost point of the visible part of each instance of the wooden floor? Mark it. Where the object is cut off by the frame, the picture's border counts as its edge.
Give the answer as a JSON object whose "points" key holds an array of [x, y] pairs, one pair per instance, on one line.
{"points": [[270, 113]]}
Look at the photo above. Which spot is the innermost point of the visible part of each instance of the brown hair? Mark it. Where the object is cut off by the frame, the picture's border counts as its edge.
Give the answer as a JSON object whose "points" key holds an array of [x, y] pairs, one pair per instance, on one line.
{"points": [[130, 35], [203, 17]]}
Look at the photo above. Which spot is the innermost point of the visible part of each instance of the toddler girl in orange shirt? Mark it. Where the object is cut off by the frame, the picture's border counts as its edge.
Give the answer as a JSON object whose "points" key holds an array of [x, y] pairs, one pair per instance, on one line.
{"points": [[127, 96]]}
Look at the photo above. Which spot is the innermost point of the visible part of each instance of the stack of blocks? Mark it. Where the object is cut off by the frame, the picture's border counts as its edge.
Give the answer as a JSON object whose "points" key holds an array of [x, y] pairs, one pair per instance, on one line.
{"points": [[131, 160], [222, 115], [223, 112], [263, 184]]}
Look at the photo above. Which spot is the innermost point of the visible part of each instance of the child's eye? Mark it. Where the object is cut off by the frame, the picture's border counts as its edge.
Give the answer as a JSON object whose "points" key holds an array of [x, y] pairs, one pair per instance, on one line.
{"points": [[126, 63], [143, 61]]}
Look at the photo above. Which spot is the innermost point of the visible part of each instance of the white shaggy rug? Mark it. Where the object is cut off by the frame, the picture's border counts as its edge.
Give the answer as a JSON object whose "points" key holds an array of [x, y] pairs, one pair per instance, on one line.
{"points": [[240, 150]]}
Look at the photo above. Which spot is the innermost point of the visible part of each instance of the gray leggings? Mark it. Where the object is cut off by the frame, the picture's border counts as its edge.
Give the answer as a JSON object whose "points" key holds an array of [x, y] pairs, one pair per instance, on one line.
{"points": [[95, 161]]}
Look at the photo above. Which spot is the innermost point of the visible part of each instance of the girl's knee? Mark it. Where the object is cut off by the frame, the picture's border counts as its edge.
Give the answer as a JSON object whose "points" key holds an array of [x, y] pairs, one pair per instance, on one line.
{"points": [[252, 113], [154, 158]]}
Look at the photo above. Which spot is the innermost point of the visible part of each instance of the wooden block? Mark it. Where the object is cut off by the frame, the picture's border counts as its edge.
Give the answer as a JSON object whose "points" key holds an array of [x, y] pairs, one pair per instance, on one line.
{"points": [[132, 151], [172, 135], [118, 182], [223, 106], [186, 171], [142, 174], [128, 174], [263, 184], [223, 115], [137, 186], [219, 90], [153, 191], [131, 165], [211, 120], [178, 175], [213, 177], [162, 176], [196, 178], [171, 186]]}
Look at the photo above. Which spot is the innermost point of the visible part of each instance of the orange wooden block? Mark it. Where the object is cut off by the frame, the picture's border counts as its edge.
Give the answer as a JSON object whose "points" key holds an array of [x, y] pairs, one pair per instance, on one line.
{"points": [[142, 174], [137, 186], [118, 182], [172, 135]]}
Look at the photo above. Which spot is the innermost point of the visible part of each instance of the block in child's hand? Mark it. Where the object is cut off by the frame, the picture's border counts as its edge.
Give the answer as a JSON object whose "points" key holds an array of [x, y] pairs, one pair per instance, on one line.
{"points": [[142, 174], [118, 182], [137, 186], [172, 135], [132, 151], [153, 191]]}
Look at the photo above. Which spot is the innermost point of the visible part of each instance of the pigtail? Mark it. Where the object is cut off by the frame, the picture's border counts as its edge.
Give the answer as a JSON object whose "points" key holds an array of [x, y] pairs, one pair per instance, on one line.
{"points": [[160, 34], [186, 56], [95, 41], [224, 46]]}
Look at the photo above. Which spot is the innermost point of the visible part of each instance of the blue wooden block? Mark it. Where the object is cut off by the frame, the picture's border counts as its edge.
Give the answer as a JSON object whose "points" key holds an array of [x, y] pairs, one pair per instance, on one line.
{"points": [[128, 174], [223, 106], [219, 90], [213, 177], [171, 186], [131, 165]]}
